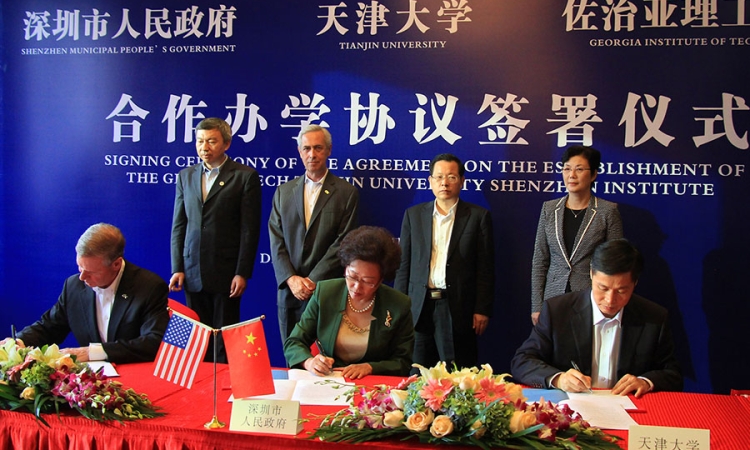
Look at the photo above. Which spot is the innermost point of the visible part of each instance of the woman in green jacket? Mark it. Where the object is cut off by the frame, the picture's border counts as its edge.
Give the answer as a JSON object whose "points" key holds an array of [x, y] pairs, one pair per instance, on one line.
{"points": [[359, 325]]}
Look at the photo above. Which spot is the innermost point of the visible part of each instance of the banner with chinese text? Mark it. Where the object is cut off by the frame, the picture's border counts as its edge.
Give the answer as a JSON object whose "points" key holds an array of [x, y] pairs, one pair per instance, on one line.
{"points": [[100, 98]]}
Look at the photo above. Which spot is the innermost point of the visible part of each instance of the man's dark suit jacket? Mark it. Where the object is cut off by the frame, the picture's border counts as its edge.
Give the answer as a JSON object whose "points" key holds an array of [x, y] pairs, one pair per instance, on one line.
{"points": [[565, 333], [215, 240], [310, 252], [136, 325], [470, 267]]}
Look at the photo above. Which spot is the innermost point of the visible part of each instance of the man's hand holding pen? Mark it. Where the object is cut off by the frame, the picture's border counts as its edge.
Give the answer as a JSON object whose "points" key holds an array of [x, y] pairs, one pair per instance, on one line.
{"points": [[573, 380]]}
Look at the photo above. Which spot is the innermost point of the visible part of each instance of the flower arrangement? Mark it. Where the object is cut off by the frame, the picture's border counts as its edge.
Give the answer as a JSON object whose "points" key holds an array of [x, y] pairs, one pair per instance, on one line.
{"points": [[469, 407], [44, 380]]}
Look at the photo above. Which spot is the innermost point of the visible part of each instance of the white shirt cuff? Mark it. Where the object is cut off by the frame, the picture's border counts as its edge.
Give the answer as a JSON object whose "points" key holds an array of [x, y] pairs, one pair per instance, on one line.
{"points": [[96, 352], [650, 383]]}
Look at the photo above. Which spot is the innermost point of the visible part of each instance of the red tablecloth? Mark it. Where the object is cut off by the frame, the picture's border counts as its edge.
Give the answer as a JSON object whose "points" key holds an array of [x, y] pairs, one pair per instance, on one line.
{"points": [[188, 410]]}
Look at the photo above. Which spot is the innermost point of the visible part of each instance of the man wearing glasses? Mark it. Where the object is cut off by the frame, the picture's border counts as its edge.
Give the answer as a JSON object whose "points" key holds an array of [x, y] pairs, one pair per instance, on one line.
{"points": [[447, 269]]}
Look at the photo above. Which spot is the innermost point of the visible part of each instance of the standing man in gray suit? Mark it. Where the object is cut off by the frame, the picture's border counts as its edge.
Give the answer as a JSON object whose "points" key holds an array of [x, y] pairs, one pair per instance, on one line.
{"points": [[310, 216], [215, 230], [448, 269]]}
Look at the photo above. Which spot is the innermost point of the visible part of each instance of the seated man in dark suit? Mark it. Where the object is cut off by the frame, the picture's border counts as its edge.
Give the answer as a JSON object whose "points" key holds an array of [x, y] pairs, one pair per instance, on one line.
{"points": [[116, 310], [603, 337]]}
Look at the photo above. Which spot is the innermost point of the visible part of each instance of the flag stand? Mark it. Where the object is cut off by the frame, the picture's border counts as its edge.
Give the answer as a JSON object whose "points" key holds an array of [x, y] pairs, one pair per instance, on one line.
{"points": [[215, 423]]}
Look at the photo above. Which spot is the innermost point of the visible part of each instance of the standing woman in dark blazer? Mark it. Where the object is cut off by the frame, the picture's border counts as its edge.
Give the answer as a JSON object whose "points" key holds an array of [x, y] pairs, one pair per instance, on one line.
{"points": [[569, 230], [362, 326]]}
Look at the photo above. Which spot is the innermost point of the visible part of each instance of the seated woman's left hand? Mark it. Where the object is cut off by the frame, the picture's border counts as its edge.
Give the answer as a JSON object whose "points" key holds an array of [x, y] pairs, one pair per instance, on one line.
{"points": [[356, 371]]}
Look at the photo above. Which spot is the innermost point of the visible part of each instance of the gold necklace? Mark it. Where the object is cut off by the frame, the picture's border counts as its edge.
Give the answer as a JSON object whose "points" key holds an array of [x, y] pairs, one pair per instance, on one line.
{"points": [[353, 327], [369, 305]]}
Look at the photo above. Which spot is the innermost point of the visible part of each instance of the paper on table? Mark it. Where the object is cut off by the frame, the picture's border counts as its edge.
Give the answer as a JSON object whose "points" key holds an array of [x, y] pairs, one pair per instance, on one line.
{"points": [[600, 411], [109, 368], [604, 395], [313, 392], [308, 390], [299, 374]]}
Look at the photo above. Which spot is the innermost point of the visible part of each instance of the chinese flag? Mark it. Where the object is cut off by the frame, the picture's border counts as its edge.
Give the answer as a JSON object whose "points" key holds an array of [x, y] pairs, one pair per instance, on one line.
{"points": [[249, 365]]}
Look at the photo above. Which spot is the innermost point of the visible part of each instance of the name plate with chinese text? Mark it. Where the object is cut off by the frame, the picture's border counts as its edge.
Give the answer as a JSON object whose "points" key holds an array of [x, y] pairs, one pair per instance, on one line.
{"points": [[641, 437], [266, 416]]}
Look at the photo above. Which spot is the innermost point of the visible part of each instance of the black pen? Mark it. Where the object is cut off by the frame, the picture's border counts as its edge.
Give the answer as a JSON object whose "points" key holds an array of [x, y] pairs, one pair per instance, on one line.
{"points": [[319, 346], [575, 366]]}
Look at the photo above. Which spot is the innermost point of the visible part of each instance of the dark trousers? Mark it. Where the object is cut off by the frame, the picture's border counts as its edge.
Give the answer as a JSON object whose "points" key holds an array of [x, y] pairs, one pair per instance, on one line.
{"points": [[437, 339], [216, 311], [288, 318]]}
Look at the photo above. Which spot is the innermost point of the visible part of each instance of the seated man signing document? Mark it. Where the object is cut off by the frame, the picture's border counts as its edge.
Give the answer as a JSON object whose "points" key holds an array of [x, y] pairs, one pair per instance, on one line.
{"points": [[116, 310], [603, 337]]}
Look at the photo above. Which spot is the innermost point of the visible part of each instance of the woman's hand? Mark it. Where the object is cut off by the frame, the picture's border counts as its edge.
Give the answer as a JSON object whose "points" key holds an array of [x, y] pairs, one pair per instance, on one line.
{"points": [[319, 365], [356, 371]]}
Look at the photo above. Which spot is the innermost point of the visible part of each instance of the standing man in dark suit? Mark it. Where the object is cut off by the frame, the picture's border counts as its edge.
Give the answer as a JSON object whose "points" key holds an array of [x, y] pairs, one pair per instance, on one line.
{"points": [[621, 340], [215, 230], [116, 310], [310, 216], [448, 269]]}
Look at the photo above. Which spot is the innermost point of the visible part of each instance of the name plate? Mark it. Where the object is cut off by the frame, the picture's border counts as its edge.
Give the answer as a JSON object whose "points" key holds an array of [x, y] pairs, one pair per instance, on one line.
{"points": [[641, 437], [266, 416]]}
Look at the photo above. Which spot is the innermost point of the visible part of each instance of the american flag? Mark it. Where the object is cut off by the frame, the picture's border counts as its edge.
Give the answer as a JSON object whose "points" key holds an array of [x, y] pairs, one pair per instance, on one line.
{"points": [[181, 351]]}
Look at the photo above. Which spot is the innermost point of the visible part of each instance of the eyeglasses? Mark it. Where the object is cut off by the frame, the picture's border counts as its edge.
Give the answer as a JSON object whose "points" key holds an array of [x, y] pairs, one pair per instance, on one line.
{"points": [[577, 170], [451, 179], [354, 280]]}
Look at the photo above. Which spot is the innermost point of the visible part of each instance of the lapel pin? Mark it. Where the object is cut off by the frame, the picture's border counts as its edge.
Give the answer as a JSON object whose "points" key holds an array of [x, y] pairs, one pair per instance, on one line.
{"points": [[125, 296], [388, 318], [221, 183], [326, 191]]}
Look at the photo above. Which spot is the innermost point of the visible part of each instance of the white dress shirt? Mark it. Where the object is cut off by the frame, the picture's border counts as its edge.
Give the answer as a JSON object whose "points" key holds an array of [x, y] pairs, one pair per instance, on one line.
{"points": [[442, 228], [606, 348], [105, 299], [312, 192]]}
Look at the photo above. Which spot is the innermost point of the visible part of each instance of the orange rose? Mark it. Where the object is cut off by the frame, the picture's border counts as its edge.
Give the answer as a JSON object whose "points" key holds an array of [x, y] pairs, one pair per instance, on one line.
{"points": [[419, 422], [441, 426], [515, 392], [521, 420]]}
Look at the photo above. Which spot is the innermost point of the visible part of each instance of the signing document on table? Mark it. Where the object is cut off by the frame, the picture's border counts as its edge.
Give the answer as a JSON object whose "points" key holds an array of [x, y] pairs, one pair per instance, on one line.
{"points": [[602, 409], [309, 389]]}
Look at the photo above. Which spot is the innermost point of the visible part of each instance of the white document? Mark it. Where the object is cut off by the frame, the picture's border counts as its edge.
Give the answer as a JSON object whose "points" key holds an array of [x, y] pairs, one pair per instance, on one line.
{"points": [[300, 374], [109, 369], [600, 411], [601, 395], [316, 392], [309, 389]]}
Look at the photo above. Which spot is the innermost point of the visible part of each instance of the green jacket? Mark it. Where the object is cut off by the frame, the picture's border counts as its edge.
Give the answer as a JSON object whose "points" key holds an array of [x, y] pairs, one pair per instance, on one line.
{"points": [[391, 342]]}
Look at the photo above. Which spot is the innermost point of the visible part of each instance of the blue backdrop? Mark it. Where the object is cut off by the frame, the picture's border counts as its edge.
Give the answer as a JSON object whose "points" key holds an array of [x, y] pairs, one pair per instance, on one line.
{"points": [[99, 99]]}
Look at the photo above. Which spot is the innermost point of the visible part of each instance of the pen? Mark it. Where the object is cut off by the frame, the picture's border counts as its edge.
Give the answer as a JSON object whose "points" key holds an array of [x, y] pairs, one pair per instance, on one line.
{"points": [[575, 366], [13, 332], [319, 346]]}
